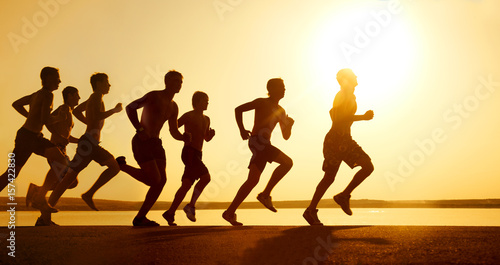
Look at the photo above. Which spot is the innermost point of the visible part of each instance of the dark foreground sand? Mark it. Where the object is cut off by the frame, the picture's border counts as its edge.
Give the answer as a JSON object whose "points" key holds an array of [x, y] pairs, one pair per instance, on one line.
{"points": [[253, 245]]}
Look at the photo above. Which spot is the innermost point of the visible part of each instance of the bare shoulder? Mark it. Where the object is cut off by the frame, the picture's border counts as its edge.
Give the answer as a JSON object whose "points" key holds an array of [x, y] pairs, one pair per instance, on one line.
{"points": [[44, 95], [63, 108]]}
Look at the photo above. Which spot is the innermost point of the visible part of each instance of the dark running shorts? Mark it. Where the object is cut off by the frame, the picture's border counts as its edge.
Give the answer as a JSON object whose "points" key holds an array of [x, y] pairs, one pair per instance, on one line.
{"points": [[194, 167], [88, 149], [338, 148], [262, 151], [27, 143], [148, 150]]}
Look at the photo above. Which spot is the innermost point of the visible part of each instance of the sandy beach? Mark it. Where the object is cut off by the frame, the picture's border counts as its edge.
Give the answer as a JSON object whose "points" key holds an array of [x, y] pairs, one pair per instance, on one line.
{"points": [[253, 245]]}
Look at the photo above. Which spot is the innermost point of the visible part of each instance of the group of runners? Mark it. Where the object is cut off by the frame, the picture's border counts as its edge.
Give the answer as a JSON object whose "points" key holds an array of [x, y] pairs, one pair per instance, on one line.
{"points": [[159, 108]]}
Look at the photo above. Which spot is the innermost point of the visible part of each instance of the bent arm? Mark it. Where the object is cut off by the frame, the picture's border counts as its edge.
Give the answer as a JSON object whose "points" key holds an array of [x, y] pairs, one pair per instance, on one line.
{"points": [[131, 110], [209, 133], [19, 104], [78, 112], [94, 109], [243, 108], [173, 125]]}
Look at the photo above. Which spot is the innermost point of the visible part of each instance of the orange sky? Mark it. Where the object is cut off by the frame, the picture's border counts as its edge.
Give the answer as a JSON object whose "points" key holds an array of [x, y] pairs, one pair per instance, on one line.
{"points": [[428, 69]]}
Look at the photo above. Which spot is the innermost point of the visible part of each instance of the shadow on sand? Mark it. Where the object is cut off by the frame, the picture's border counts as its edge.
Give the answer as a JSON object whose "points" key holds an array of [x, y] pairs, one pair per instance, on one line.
{"points": [[301, 245]]}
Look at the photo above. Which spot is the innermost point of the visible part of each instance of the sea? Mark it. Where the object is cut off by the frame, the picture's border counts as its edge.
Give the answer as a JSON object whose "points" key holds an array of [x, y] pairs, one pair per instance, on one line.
{"points": [[284, 217]]}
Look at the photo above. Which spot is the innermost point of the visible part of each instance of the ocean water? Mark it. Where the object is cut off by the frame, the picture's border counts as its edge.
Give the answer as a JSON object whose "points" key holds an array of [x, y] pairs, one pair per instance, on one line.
{"points": [[284, 217]]}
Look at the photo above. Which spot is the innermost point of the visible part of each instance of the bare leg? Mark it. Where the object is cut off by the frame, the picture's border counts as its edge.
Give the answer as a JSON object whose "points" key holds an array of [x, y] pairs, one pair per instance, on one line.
{"points": [[286, 164], [105, 176], [245, 189], [155, 171], [360, 176], [4, 179], [180, 195], [137, 173], [198, 188], [323, 185], [62, 186]]}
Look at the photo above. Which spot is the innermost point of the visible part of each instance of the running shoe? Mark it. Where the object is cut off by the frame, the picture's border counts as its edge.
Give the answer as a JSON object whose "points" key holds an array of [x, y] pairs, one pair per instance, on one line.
{"points": [[311, 216], [143, 221], [231, 219], [266, 201], [41, 222], [170, 218], [343, 201], [189, 210]]}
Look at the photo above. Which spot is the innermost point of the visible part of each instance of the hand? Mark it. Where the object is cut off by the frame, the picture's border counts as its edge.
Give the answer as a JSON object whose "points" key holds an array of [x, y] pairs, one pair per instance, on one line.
{"points": [[118, 107], [368, 115], [186, 137], [211, 133], [245, 134], [289, 121]]}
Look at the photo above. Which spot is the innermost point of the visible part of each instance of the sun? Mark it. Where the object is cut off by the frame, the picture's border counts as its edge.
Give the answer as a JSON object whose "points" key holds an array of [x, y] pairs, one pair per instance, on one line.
{"points": [[383, 56]]}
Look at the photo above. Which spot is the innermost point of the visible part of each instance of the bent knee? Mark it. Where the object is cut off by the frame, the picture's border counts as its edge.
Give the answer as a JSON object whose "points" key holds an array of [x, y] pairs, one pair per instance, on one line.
{"points": [[205, 178], [288, 163], [368, 167], [113, 166]]}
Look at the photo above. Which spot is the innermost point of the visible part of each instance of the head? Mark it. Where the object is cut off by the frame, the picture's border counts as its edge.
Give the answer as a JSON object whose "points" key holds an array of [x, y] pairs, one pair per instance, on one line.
{"points": [[276, 88], [347, 79], [50, 78], [100, 83], [70, 96], [173, 80], [200, 100]]}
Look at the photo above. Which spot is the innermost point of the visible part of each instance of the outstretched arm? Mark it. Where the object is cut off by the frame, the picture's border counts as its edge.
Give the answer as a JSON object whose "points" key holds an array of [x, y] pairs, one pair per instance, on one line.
{"points": [[365, 117], [19, 104], [238, 112], [94, 111]]}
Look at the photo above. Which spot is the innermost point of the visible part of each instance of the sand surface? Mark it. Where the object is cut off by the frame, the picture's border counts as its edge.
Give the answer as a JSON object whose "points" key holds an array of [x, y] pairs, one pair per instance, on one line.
{"points": [[253, 245]]}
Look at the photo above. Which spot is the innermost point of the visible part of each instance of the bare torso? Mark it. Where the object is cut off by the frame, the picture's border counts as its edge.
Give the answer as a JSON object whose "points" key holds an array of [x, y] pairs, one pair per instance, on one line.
{"points": [[197, 125], [62, 130], [157, 109], [94, 123], [267, 115], [40, 106], [344, 107]]}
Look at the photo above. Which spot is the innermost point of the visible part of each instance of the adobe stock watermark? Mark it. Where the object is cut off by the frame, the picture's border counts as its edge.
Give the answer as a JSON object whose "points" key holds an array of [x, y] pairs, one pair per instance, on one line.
{"points": [[222, 7], [322, 251], [454, 117], [221, 179], [364, 35], [153, 80], [31, 25]]}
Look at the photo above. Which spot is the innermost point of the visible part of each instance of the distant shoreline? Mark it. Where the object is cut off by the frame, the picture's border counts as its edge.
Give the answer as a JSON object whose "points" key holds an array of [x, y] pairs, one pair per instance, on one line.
{"points": [[77, 204]]}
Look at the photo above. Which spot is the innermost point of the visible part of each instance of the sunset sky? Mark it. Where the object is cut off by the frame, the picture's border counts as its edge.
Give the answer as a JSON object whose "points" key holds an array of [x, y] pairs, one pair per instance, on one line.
{"points": [[429, 69]]}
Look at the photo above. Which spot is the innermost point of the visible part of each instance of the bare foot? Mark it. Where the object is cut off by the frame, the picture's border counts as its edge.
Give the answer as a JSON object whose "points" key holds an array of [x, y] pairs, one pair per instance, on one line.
{"points": [[88, 200]]}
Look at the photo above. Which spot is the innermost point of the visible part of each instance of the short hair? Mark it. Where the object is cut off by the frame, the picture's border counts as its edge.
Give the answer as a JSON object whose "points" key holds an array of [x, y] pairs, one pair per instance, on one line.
{"points": [[345, 73], [67, 91], [272, 83], [198, 96], [48, 71], [96, 77], [171, 74]]}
